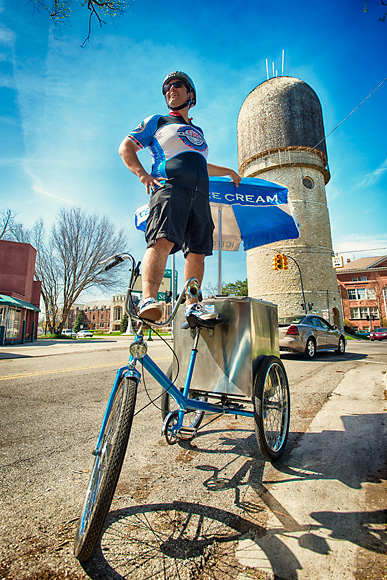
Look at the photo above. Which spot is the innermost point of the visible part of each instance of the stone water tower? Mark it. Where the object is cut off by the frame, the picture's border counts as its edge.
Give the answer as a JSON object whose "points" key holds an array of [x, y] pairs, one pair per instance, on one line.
{"points": [[281, 139]]}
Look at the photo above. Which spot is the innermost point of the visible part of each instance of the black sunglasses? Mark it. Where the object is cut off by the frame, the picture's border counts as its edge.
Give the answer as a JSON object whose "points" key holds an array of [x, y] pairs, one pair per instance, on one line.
{"points": [[176, 84]]}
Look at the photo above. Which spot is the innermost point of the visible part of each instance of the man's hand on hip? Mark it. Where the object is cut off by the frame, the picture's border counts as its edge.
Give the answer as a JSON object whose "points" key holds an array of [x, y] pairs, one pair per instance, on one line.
{"points": [[150, 182]]}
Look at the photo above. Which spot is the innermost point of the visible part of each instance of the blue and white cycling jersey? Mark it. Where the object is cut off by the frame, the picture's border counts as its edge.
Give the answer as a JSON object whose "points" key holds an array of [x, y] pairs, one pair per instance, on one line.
{"points": [[178, 149]]}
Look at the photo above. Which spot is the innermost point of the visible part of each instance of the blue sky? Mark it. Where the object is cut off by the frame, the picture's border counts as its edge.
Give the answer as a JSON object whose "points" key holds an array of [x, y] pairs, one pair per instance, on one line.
{"points": [[65, 109]]}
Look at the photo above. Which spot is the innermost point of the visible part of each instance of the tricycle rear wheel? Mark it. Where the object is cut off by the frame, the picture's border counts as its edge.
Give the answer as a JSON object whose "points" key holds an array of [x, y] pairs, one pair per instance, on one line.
{"points": [[271, 407]]}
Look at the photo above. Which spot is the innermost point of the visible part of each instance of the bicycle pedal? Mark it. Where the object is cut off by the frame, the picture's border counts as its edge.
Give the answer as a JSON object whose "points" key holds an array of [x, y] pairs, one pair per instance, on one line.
{"points": [[186, 433]]}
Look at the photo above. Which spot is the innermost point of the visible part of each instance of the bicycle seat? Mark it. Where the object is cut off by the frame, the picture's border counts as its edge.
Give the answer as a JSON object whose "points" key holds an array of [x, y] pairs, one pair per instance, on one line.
{"points": [[194, 322]]}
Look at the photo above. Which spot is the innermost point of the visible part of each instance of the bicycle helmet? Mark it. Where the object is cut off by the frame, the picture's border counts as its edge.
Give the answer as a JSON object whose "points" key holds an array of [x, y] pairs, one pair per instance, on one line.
{"points": [[188, 81]]}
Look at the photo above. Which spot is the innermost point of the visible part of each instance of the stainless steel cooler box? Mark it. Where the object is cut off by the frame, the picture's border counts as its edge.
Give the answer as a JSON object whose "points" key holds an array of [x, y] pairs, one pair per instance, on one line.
{"points": [[228, 355]]}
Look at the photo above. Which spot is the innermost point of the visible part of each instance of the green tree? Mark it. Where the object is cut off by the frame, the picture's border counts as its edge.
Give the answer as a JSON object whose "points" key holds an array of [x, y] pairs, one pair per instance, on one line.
{"points": [[78, 322], [239, 288], [124, 323]]}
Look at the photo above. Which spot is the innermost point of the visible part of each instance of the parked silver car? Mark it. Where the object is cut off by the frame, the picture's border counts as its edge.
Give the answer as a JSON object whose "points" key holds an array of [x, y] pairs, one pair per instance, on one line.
{"points": [[309, 334]]}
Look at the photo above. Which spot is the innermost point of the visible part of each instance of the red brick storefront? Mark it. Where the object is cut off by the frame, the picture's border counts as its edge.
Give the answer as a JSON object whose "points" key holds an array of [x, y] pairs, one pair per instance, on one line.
{"points": [[363, 289], [19, 293]]}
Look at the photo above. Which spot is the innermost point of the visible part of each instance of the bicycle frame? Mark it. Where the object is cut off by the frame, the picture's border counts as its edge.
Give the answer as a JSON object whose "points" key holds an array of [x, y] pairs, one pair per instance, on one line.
{"points": [[181, 398], [271, 400], [191, 288]]}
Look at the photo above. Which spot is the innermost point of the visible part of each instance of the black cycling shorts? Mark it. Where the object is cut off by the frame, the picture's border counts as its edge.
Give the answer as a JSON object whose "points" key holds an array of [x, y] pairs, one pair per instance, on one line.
{"points": [[182, 216]]}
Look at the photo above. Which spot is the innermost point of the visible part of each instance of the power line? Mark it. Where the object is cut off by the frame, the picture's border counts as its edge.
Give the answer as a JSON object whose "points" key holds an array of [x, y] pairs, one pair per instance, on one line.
{"points": [[351, 113], [334, 129], [366, 250]]}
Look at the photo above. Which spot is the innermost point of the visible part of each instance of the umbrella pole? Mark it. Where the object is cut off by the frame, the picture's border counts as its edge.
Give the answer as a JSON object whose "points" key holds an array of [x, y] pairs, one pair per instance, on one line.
{"points": [[173, 288], [219, 249]]}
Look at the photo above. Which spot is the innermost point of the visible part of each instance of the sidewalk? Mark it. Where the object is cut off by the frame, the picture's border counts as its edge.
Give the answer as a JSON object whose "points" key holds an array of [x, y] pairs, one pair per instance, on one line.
{"points": [[326, 504], [49, 347]]}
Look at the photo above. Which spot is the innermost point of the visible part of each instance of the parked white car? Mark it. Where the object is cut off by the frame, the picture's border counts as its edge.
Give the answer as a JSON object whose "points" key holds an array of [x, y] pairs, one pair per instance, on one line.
{"points": [[84, 334], [68, 332]]}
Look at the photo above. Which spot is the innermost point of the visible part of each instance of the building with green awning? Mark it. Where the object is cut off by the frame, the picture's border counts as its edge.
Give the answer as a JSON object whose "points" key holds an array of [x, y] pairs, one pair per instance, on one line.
{"points": [[19, 293]]}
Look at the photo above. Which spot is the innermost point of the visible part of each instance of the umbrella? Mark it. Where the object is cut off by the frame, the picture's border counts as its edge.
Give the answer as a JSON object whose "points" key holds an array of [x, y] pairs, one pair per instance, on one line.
{"points": [[258, 212]]}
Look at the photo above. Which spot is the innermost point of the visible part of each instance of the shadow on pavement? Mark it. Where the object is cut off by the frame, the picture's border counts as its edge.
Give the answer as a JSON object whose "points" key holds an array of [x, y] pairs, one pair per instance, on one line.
{"points": [[182, 540], [326, 356], [348, 456], [178, 540]]}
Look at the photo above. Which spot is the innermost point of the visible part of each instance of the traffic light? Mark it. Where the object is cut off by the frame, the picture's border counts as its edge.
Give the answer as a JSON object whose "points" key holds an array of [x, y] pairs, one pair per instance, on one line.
{"points": [[168, 296], [277, 262], [284, 262]]}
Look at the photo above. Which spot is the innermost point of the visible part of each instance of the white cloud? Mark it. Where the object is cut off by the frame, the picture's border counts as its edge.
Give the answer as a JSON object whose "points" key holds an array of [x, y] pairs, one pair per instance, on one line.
{"points": [[361, 246], [373, 177], [7, 36], [333, 192], [38, 187]]}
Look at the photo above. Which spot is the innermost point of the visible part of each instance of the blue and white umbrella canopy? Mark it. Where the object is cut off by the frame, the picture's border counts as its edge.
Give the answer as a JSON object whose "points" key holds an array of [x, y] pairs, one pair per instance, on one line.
{"points": [[258, 212], [140, 217]]}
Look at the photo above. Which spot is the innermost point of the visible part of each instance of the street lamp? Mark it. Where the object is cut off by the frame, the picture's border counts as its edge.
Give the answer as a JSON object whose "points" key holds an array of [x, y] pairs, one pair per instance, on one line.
{"points": [[285, 263]]}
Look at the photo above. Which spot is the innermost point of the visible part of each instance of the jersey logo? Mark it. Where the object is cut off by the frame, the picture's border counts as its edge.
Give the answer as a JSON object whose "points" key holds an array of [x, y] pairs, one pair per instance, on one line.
{"points": [[139, 128], [192, 138]]}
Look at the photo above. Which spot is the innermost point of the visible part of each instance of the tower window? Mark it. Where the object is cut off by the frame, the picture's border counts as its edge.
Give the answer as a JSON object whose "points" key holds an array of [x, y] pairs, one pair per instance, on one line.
{"points": [[308, 182]]}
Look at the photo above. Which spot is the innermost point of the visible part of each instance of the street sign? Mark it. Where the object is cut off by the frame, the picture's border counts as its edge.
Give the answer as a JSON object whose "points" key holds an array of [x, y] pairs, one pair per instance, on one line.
{"points": [[166, 284], [338, 261]]}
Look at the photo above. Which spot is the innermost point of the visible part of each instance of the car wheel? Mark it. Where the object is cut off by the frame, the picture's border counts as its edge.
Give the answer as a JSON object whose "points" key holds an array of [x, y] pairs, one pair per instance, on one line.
{"points": [[341, 346], [310, 348]]}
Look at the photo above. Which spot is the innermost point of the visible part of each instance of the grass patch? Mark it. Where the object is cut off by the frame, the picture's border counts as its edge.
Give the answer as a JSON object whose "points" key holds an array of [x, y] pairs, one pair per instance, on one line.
{"points": [[55, 336]]}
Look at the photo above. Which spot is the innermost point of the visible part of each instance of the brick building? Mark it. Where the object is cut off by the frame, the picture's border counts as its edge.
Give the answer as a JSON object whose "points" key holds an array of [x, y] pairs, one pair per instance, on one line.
{"points": [[106, 315], [96, 315], [19, 293], [117, 311], [363, 290]]}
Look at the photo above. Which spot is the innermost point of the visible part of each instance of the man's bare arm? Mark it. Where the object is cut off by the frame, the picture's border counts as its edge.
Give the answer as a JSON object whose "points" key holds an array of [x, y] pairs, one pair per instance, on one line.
{"points": [[128, 152], [219, 171]]}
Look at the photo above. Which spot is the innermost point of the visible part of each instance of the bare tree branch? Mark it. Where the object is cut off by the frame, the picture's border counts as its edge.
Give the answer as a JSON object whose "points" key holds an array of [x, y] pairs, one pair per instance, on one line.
{"points": [[80, 243], [60, 11], [9, 229], [68, 261], [7, 217], [384, 3]]}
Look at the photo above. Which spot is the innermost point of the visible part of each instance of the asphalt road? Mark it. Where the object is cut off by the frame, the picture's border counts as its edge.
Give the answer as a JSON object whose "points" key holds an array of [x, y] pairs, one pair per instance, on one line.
{"points": [[212, 509]]}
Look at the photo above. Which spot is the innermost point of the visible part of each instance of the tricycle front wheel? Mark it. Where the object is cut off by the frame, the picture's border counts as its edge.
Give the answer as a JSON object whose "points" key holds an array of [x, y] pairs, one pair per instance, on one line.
{"points": [[271, 407], [106, 470]]}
